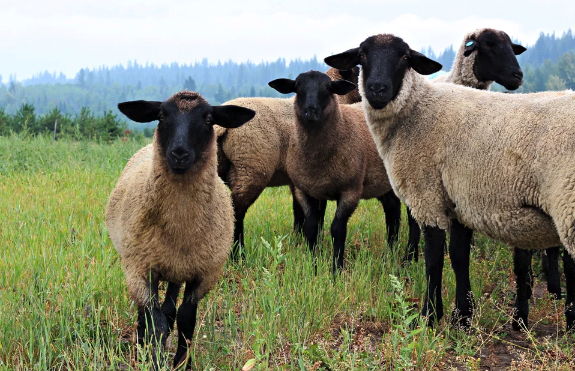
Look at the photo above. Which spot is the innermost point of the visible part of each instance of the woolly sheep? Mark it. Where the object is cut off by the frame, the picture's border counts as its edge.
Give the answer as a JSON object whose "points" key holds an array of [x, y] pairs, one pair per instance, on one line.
{"points": [[505, 172], [331, 156], [170, 217]]}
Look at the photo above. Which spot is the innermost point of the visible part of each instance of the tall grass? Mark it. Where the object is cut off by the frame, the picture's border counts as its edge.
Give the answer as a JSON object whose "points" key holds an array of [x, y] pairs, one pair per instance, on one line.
{"points": [[64, 305]]}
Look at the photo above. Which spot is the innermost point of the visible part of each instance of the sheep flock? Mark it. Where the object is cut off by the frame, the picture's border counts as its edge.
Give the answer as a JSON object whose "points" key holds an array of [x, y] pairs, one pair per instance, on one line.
{"points": [[462, 159]]}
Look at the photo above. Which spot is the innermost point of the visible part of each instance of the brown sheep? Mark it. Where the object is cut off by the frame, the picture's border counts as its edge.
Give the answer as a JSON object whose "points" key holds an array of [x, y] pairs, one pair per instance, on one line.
{"points": [[170, 216]]}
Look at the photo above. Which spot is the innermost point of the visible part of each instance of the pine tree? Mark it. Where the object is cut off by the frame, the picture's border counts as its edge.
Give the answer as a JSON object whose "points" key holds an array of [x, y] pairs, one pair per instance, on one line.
{"points": [[190, 84]]}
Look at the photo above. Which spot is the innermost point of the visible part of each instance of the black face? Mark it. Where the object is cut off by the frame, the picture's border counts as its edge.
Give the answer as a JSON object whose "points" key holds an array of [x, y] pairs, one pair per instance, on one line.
{"points": [[495, 60], [384, 60], [314, 90], [184, 135]]}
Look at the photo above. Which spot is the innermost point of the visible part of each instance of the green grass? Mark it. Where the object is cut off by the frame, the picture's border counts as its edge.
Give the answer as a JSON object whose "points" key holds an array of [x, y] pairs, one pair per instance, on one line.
{"points": [[64, 305]]}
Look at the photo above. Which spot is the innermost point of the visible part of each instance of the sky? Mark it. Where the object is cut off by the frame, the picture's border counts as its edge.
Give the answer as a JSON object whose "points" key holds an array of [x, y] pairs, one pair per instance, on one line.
{"points": [[65, 36]]}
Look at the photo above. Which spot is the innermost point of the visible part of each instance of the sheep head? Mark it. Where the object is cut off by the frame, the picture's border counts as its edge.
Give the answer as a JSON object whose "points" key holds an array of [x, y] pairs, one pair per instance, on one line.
{"points": [[185, 125]]}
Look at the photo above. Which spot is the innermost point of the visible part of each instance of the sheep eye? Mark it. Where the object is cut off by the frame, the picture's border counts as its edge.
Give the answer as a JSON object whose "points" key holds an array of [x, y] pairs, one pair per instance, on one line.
{"points": [[209, 120], [405, 57], [361, 55]]}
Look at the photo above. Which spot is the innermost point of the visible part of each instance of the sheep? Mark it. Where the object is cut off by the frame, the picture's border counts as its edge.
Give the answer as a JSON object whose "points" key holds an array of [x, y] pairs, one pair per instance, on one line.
{"points": [[505, 172], [331, 155], [351, 76], [170, 217], [253, 157]]}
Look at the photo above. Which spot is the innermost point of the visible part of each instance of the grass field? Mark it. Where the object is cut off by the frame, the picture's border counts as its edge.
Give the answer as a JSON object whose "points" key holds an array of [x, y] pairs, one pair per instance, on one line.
{"points": [[64, 305]]}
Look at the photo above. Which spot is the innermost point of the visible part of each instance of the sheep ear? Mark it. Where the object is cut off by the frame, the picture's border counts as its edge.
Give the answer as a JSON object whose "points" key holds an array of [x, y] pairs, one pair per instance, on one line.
{"points": [[470, 46], [231, 116], [518, 49], [344, 61], [341, 87], [423, 65], [141, 110], [345, 74], [284, 86]]}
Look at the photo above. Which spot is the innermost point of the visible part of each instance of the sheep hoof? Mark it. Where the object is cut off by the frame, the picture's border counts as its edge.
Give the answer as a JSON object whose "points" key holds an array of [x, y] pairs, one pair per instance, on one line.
{"points": [[519, 323], [460, 321]]}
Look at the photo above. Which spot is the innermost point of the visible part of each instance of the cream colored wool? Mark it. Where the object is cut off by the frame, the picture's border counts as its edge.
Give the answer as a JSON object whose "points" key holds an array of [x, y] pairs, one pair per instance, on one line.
{"points": [[462, 70], [503, 164], [256, 151], [177, 226]]}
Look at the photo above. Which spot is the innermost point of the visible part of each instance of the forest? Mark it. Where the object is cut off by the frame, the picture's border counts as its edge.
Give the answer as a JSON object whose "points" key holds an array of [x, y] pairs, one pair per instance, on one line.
{"points": [[33, 104]]}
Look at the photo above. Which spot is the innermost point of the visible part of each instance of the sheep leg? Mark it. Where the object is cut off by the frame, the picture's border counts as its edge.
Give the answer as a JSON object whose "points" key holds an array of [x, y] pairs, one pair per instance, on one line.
{"points": [[187, 313], [522, 267], [551, 268], [414, 237], [346, 205], [152, 324], [298, 214], [242, 200], [392, 210], [434, 241], [459, 250], [169, 304], [311, 226], [569, 268]]}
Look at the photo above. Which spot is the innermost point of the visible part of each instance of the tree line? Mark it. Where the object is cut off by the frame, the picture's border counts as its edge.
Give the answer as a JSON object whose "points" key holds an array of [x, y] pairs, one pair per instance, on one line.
{"points": [[549, 64], [83, 126]]}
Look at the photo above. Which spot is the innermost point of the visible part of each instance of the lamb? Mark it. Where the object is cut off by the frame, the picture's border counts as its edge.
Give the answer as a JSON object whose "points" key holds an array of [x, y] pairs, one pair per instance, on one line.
{"points": [[506, 172], [331, 155], [170, 217]]}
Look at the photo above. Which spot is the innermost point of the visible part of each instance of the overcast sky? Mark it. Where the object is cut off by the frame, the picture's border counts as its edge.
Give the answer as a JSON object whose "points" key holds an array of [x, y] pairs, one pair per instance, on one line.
{"points": [[62, 35]]}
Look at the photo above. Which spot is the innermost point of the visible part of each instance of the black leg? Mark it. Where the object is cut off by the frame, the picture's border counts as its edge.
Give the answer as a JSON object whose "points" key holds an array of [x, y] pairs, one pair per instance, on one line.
{"points": [[459, 250], [414, 237], [551, 260], [187, 322], [524, 276], [346, 205], [434, 241], [237, 248], [298, 214], [311, 227], [569, 268], [152, 323], [169, 305], [392, 209]]}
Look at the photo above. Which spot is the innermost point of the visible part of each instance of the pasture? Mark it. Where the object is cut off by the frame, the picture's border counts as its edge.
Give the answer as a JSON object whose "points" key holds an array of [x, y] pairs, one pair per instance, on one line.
{"points": [[64, 305]]}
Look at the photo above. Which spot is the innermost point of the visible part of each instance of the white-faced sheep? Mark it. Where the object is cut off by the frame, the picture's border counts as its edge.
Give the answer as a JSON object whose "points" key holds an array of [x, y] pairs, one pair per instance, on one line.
{"points": [[170, 216], [497, 163], [331, 155]]}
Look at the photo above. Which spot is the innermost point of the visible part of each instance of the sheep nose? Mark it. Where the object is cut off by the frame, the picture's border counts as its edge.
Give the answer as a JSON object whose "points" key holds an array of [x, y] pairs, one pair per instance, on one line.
{"points": [[310, 112], [180, 154], [518, 75], [377, 88]]}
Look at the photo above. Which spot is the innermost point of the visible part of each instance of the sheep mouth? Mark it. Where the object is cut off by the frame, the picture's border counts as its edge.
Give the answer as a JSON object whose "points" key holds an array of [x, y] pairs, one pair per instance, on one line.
{"points": [[378, 104], [179, 170]]}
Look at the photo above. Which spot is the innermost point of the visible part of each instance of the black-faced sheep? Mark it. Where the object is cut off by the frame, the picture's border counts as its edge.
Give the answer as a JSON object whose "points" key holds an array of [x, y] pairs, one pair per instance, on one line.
{"points": [[506, 172], [331, 155], [170, 216]]}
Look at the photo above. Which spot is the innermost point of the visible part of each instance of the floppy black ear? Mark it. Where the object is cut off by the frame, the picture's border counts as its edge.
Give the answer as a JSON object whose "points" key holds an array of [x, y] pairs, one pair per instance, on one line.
{"points": [[470, 46], [345, 74], [518, 49], [341, 87], [231, 116], [284, 86], [344, 61], [423, 65], [141, 110]]}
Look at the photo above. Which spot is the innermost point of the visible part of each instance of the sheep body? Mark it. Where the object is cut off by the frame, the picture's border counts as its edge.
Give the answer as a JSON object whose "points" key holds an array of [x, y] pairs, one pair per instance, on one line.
{"points": [[155, 223], [504, 173]]}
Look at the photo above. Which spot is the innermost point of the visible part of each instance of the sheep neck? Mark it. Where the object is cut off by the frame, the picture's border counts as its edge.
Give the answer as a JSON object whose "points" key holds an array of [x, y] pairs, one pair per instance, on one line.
{"points": [[318, 142], [386, 121], [173, 195]]}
